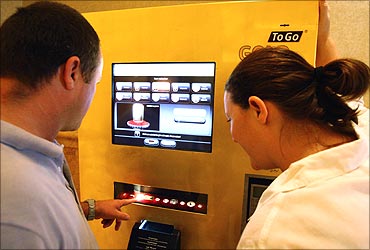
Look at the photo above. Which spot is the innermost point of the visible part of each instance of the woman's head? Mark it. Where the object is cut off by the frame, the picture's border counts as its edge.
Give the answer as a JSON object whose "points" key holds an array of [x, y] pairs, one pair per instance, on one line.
{"points": [[282, 79], [302, 92]]}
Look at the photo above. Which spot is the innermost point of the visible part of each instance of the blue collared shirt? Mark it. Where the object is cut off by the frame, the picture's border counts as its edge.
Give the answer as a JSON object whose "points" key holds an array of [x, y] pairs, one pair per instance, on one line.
{"points": [[38, 205]]}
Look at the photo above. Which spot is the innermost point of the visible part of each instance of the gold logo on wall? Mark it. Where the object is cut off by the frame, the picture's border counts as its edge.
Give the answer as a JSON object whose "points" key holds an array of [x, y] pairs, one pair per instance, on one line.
{"points": [[247, 49]]}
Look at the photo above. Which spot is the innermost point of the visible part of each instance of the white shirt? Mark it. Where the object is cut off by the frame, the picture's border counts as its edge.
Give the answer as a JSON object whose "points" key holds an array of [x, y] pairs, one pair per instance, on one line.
{"points": [[321, 201]]}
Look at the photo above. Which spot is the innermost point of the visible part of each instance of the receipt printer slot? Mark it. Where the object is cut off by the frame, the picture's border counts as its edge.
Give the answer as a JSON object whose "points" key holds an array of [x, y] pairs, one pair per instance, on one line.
{"points": [[153, 235]]}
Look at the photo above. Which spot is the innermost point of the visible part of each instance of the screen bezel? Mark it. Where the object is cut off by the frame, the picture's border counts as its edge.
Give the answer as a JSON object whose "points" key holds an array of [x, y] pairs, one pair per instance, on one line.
{"points": [[201, 148]]}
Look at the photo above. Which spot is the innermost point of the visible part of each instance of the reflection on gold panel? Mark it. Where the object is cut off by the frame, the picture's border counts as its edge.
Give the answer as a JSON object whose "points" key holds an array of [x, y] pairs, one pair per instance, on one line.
{"points": [[221, 32]]}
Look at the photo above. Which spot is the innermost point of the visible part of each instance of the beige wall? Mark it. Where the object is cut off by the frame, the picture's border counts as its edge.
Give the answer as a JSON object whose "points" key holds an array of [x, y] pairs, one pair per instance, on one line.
{"points": [[350, 30]]}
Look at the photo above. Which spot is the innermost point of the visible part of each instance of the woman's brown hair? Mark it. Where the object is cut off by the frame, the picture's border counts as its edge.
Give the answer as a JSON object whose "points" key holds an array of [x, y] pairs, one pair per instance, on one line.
{"points": [[301, 91]]}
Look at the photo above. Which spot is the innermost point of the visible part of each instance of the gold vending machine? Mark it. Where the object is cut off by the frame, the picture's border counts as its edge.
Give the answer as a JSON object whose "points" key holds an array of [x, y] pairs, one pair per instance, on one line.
{"points": [[156, 129]]}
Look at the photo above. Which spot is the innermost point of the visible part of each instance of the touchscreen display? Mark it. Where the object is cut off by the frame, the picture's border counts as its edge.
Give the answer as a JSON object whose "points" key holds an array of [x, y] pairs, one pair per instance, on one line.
{"points": [[166, 105]]}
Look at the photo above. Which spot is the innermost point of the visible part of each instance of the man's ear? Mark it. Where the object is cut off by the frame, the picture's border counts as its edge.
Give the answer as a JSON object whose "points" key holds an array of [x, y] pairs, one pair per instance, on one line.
{"points": [[259, 108], [71, 72]]}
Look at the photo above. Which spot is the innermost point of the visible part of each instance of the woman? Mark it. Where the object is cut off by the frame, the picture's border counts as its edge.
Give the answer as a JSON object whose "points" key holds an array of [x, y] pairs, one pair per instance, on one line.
{"points": [[310, 123]]}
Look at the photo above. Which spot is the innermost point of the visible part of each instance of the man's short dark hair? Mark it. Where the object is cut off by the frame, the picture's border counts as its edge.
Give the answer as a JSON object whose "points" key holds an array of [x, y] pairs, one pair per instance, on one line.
{"points": [[37, 39]]}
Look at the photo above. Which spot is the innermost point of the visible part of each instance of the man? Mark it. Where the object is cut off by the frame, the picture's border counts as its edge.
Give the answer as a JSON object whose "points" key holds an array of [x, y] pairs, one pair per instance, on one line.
{"points": [[50, 64]]}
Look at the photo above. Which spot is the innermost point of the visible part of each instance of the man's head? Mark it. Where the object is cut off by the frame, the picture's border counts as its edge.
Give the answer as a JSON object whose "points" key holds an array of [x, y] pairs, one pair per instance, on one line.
{"points": [[50, 64], [39, 38]]}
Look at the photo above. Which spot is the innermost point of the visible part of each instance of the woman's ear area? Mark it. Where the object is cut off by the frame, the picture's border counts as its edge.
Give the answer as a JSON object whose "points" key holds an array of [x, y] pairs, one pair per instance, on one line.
{"points": [[259, 109], [71, 72]]}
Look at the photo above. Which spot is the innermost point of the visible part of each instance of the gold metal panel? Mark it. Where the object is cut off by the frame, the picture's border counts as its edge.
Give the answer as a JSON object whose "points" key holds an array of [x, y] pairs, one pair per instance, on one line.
{"points": [[220, 32]]}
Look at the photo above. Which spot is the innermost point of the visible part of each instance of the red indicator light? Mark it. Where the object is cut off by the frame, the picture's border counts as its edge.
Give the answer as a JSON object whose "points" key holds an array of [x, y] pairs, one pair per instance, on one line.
{"points": [[122, 195], [165, 198]]}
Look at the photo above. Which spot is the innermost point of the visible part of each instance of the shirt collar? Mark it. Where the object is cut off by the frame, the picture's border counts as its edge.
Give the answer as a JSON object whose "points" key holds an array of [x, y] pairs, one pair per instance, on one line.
{"points": [[20, 139], [325, 164]]}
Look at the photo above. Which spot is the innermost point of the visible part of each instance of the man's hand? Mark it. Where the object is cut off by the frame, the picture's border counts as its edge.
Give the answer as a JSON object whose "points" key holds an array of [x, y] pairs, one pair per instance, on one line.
{"points": [[110, 211]]}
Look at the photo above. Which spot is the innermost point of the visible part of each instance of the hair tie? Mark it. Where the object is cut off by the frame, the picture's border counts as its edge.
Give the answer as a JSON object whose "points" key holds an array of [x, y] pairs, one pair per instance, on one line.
{"points": [[318, 73]]}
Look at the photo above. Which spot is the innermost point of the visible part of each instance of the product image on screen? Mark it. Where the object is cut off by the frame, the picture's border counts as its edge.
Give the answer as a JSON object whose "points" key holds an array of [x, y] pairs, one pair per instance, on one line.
{"points": [[166, 105]]}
